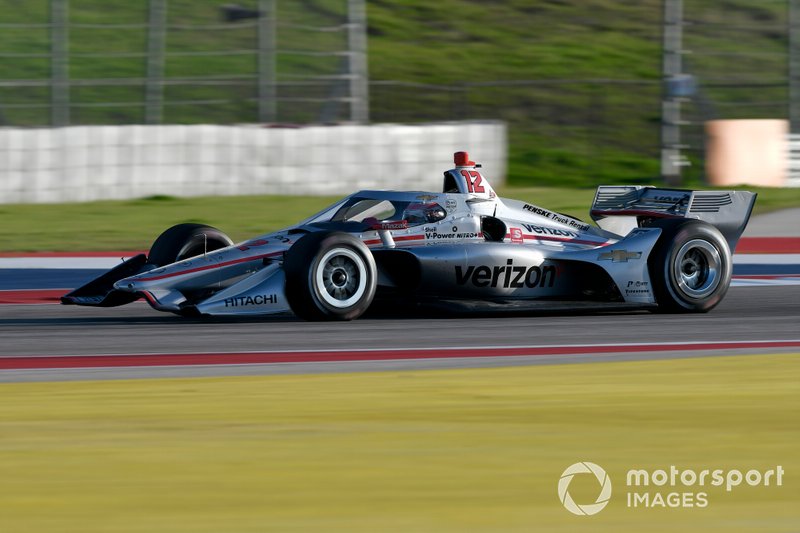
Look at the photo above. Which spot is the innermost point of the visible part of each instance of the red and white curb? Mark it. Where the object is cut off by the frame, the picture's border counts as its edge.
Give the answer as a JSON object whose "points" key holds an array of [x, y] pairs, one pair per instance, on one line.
{"points": [[773, 251], [34, 362]]}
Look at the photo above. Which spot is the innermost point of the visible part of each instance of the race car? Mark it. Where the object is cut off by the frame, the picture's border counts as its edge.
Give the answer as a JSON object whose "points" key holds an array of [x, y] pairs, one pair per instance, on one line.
{"points": [[666, 250]]}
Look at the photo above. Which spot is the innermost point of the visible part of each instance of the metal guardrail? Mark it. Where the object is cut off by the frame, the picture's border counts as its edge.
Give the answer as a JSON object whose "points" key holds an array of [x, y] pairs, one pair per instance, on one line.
{"points": [[274, 35]]}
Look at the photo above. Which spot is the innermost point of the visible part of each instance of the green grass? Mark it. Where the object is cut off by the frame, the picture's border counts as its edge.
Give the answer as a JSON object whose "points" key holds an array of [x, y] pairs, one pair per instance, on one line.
{"points": [[573, 134], [440, 451], [134, 224]]}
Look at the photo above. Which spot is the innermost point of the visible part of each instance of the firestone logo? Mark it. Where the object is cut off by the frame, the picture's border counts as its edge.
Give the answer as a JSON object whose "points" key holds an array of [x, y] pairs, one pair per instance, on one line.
{"points": [[590, 508]]}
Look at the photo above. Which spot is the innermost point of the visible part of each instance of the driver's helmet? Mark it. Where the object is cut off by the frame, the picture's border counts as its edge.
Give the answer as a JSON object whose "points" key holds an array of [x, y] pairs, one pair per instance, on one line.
{"points": [[417, 213]]}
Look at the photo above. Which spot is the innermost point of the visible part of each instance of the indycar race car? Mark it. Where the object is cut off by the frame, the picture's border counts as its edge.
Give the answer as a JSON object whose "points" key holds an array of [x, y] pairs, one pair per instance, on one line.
{"points": [[661, 249]]}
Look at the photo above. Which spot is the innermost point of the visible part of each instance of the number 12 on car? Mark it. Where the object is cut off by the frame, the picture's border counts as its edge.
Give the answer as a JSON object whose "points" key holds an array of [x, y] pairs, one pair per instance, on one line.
{"points": [[474, 180]]}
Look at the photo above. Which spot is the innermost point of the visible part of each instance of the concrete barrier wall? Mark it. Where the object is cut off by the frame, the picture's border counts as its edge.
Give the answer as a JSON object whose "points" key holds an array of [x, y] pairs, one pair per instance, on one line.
{"points": [[793, 149], [84, 163]]}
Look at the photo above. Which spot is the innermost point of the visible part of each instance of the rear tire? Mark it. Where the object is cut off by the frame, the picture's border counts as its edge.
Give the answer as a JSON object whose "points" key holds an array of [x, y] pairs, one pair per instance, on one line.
{"points": [[186, 240], [690, 267], [329, 276]]}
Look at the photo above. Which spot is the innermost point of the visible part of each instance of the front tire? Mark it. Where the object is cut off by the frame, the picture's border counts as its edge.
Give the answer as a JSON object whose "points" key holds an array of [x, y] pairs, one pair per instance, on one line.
{"points": [[690, 268], [186, 240], [329, 276]]}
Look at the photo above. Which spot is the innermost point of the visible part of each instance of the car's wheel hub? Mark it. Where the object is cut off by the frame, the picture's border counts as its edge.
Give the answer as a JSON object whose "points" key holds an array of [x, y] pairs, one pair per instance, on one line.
{"points": [[339, 277]]}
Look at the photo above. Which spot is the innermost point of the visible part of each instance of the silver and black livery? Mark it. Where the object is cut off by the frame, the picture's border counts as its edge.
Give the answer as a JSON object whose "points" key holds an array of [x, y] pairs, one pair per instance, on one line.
{"points": [[662, 249]]}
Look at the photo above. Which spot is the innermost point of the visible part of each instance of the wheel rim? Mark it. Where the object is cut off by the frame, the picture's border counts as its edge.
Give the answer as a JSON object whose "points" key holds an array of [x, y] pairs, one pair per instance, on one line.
{"points": [[696, 268], [341, 278]]}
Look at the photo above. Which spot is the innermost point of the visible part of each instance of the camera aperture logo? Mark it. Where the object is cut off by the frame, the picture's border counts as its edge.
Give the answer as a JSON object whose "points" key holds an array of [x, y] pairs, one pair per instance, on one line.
{"points": [[587, 509], [660, 488]]}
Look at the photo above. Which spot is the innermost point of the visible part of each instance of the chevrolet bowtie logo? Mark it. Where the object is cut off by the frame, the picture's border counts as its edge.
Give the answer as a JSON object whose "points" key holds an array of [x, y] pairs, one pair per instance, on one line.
{"points": [[619, 256]]}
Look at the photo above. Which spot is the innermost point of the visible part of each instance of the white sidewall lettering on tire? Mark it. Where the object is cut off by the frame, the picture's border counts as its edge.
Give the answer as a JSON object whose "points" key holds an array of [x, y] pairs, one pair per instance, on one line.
{"points": [[319, 280]]}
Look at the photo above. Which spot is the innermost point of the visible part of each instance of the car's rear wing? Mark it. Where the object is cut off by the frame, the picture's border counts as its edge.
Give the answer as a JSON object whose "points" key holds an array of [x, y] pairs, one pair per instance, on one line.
{"points": [[729, 211]]}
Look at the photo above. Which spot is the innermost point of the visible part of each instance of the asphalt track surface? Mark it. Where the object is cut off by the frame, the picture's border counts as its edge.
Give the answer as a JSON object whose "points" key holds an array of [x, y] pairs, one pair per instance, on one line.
{"points": [[747, 314]]}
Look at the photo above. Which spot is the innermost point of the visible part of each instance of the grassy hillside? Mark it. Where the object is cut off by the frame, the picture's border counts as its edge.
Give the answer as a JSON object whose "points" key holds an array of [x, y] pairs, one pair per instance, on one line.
{"points": [[578, 81]]}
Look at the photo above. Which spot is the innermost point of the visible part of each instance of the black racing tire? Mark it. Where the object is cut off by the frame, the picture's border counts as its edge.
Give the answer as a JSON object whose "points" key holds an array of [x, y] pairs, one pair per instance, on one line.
{"points": [[186, 240], [690, 267], [329, 276]]}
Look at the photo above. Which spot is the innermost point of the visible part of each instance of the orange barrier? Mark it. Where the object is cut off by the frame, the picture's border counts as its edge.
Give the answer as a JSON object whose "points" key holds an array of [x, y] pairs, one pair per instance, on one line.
{"points": [[752, 152]]}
